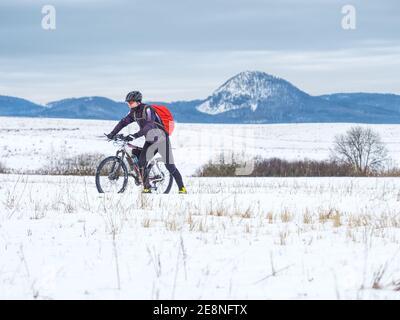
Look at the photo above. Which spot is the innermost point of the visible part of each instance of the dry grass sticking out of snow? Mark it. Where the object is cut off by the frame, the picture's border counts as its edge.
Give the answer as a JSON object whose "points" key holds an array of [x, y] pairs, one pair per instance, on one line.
{"points": [[230, 238]]}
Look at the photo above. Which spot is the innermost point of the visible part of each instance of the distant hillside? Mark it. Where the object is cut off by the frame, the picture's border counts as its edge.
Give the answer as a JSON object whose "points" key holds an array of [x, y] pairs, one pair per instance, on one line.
{"points": [[86, 108], [14, 107], [248, 97]]}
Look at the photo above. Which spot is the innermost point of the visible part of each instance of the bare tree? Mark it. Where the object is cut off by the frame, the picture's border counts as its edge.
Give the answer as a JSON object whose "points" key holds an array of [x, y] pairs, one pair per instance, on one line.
{"points": [[362, 148]]}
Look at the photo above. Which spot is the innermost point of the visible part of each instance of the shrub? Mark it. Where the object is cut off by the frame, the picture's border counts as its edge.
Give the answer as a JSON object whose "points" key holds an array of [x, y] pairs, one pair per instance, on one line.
{"points": [[3, 169], [300, 168], [220, 169], [81, 165], [275, 167]]}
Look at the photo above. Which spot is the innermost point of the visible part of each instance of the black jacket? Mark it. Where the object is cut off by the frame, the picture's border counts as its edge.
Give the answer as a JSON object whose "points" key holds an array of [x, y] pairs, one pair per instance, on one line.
{"points": [[145, 117]]}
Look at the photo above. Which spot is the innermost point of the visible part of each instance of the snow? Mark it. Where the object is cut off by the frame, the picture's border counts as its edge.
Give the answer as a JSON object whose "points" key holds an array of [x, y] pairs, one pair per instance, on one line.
{"points": [[30, 143], [229, 238], [233, 238], [256, 84], [250, 87]]}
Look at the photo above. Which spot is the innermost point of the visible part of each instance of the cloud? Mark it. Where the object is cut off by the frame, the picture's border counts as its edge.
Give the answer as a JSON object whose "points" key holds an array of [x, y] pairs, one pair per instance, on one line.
{"points": [[177, 75], [107, 26], [182, 49]]}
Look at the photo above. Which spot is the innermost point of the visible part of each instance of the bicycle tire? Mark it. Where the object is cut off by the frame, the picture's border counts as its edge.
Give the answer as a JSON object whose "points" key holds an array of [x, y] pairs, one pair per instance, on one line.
{"points": [[100, 167]]}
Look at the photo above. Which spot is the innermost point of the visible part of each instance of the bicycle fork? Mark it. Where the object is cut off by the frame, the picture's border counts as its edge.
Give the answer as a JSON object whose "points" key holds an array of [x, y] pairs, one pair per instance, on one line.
{"points": [[116, 165]]}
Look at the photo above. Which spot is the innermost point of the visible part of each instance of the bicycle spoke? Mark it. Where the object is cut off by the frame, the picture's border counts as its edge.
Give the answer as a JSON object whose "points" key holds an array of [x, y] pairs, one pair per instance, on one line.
{"points": [[111, 177], [159, 178]]}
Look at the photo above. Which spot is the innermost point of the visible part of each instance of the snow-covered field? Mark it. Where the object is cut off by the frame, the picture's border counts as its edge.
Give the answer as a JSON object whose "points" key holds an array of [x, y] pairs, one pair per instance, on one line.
{"points": [[230, 238], [29, 143]]}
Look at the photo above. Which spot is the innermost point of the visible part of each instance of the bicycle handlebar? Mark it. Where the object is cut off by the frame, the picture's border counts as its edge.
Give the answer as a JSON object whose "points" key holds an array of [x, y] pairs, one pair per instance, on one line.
{"points": [[121, 137]]}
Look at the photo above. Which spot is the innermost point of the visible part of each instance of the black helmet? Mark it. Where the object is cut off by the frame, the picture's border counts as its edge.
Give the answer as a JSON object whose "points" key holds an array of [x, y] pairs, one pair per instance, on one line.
{"points": [[134, 96]]}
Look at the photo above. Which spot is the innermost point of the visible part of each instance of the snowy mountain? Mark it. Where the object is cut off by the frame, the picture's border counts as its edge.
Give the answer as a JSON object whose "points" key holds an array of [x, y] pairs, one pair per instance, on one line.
{"points": [[249, 97], [249, 90], [257, 97]]}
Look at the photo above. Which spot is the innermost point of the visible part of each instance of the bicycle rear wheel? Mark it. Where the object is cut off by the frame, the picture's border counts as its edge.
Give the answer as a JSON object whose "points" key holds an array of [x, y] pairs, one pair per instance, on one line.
{"points": [[159, 178], [111, 175]]}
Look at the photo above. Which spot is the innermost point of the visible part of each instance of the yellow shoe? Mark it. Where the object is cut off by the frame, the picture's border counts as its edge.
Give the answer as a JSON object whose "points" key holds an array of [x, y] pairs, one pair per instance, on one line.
{"points": [[145, 190], [183, 190]]}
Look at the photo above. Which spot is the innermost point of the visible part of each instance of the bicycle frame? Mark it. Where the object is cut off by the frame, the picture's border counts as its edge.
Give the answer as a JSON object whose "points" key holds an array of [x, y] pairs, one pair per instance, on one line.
{"points": [[123, 153]]}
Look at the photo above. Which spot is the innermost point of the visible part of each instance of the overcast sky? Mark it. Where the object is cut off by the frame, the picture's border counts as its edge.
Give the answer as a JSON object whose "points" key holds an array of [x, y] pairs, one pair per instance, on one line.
{"points": [[185, 49]]}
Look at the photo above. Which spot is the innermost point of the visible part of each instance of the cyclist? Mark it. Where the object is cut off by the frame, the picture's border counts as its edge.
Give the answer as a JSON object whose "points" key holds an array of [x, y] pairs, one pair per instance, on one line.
{"points": [[157, 139]]}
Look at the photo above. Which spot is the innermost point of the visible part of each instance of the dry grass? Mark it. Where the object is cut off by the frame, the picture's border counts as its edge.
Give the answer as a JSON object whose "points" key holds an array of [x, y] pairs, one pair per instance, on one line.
{"points": [[329, 215], [307, 217], [336, 219], [350, 234], [286, 216], [218, 212], [378, 282], [172, 225], [144, 202], [189, 219], [202, 226], [39, 210], [146, 223], [360, 220], [208, 222], [270, 217], [246, 214], [283, 236], [323, 216]]}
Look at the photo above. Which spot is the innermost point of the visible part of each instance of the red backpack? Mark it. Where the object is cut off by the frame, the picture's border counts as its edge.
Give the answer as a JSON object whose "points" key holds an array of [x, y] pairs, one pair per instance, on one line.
{"points": [[166, 118]]}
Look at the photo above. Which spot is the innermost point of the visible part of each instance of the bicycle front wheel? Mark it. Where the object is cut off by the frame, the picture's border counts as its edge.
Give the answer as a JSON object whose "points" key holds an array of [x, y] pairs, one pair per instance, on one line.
{"points": [[111, 176]]}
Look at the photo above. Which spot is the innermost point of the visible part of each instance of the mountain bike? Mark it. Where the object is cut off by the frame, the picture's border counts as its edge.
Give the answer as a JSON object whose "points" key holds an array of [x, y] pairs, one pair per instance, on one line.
{"points": [[112, 173]]}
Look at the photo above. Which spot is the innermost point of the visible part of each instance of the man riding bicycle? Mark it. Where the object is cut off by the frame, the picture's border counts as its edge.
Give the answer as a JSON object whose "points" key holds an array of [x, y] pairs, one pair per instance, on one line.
{"points": [[157, 139]]}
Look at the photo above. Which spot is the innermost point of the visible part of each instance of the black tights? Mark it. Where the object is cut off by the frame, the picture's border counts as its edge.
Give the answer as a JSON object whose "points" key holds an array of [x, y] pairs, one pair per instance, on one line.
{"points": [[170, 166]]}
